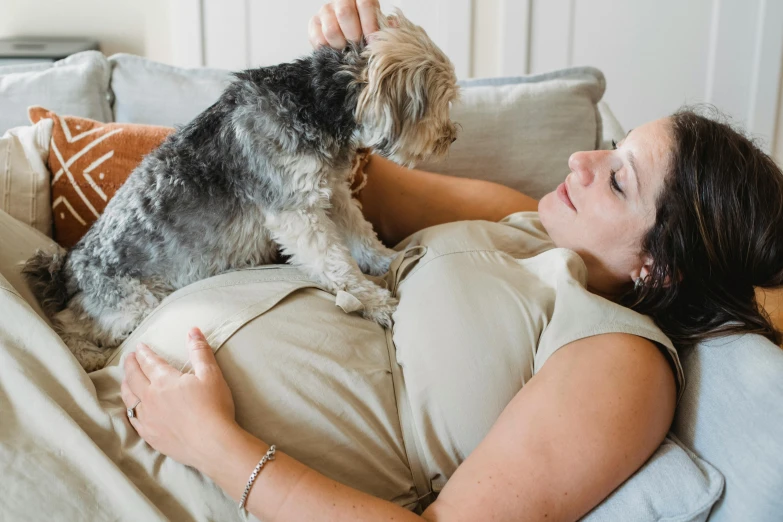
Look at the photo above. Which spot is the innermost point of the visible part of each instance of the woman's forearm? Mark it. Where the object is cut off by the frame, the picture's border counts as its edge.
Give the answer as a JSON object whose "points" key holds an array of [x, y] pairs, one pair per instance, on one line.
{"points": [[286, 489], [400, 201]]}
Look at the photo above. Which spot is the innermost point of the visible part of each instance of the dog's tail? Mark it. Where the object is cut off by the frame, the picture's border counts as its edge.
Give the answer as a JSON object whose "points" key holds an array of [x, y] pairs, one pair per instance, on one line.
{"points": [[45, 274]]}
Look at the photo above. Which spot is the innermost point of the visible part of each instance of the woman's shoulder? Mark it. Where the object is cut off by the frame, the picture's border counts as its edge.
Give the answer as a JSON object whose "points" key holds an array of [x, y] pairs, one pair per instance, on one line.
{"points": [[578, 314]]}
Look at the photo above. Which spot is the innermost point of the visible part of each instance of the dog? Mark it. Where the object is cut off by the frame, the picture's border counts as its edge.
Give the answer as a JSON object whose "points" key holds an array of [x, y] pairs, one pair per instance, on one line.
{"points": [[263, 171]]}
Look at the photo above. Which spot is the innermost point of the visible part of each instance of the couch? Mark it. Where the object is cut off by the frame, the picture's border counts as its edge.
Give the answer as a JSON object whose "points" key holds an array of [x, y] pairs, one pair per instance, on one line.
{"points": [[723, 459]]}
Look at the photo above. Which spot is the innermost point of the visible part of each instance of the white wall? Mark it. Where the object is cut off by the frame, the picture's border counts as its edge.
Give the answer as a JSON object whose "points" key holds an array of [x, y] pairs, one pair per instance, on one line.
{"points": [[140, 27], [778, 150], [118, 25], [486, 25], [631, 40]]}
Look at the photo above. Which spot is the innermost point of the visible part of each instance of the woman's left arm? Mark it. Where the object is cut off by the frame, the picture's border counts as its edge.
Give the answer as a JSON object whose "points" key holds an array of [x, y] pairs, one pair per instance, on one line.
{"points": [[583, 424], [594, 413]]}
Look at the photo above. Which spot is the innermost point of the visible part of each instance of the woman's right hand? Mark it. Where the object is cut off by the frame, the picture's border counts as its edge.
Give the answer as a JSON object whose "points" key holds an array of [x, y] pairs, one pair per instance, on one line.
{"points": [[342, 20]]}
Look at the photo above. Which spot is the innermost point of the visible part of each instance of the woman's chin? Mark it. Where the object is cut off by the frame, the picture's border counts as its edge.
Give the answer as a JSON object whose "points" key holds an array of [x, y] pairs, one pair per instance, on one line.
{"points": [[551, 214], [547, 205]]}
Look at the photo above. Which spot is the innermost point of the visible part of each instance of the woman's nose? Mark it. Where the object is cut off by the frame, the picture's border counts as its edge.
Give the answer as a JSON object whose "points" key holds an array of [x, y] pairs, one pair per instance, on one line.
{"points": [[583, 165]]}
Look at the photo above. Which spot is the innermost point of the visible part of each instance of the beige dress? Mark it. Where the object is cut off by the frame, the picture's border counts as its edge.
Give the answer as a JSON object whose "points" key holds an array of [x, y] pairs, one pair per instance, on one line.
{"points": [[390, 412]]}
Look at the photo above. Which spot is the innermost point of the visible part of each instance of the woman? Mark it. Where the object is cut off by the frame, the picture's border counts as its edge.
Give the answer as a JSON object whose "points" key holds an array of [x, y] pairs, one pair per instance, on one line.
{"points": [[681, 221]]}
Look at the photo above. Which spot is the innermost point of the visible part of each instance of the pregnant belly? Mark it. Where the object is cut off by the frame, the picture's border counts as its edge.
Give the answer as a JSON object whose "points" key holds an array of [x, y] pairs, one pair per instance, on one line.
{"points": [[304, 375]]}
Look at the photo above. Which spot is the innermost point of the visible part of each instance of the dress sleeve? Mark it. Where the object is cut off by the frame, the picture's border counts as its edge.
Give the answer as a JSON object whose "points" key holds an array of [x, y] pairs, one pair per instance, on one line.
{"points": [[578, 313]]}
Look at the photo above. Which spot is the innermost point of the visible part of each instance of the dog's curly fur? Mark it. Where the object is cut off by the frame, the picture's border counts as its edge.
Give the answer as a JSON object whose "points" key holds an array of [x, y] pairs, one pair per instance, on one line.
{"points": [[263, 170]]}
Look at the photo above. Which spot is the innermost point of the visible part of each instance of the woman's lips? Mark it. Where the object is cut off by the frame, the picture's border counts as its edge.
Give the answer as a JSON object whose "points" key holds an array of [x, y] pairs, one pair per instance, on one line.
{"points": [[562, 193]]}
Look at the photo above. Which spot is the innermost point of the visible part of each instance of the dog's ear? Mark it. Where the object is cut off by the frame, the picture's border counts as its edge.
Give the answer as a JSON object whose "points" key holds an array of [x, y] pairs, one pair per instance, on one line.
{"points": [[399, 58], [408, 83]]}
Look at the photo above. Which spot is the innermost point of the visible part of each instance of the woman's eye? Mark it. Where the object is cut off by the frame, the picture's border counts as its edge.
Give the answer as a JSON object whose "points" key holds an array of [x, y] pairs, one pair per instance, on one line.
{"points": [[613, 182]]}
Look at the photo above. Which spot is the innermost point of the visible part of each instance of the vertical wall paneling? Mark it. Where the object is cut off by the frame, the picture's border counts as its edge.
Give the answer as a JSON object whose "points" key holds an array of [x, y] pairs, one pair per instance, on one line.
{"points": [[252, 33], [654, 55], [550, 34], [733, 48], [278, 30], [765, 78], [457, 17], [514, 46], [778, 151], [712, 52], [745, 63], [187, 44], [571, 13], [447, 22], [486, 28], [225, 34]]}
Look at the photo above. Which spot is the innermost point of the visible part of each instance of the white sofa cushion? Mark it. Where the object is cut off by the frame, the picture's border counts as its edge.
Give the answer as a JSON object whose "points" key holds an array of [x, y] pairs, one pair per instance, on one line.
{"points": [[158, 94], [77, 85], [674, 484], [731, 414], [521, 131], [25, 182]]}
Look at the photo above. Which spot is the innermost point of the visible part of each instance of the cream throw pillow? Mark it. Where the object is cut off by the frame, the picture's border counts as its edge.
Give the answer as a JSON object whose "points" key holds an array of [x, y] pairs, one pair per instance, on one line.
{"points": [[520, 132], [24, 178]]}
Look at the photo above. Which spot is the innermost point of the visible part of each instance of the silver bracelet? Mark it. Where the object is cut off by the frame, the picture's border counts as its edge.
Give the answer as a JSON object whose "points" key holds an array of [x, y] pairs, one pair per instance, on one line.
{"points": [[270, 455]]}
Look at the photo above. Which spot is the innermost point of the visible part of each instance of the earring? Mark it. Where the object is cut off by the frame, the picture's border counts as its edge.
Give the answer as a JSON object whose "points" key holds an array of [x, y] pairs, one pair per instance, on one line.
{"points": [[638, 284]]}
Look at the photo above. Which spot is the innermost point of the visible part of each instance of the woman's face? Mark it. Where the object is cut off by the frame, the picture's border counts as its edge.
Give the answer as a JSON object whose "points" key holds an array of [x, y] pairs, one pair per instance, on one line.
{"points": [[607, 221]]}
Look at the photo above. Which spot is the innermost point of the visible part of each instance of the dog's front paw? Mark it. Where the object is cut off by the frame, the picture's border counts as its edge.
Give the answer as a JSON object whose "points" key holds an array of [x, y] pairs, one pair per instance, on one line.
{"points": [[382, 313], [377, 303]]}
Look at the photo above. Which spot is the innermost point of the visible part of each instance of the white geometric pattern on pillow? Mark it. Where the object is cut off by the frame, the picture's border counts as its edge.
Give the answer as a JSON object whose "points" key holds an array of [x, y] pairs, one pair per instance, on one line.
{"points": [[86, 173]]}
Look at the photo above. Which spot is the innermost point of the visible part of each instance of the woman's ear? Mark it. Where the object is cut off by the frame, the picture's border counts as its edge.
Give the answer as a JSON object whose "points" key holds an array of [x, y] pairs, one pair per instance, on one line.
{"points": [[646, 270], [642, 271]]}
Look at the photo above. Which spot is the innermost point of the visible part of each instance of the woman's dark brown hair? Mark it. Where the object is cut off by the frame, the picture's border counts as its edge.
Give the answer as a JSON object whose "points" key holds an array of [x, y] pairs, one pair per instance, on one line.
{"points": [[718, 234]]}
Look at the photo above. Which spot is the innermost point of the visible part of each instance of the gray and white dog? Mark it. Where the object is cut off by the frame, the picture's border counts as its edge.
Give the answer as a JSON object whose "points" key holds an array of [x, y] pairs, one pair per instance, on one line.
{"points": [[263, 170]]}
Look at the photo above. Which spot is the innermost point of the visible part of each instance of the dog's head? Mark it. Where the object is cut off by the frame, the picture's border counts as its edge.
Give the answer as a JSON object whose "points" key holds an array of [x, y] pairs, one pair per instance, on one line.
{"points": [[403, 111]]}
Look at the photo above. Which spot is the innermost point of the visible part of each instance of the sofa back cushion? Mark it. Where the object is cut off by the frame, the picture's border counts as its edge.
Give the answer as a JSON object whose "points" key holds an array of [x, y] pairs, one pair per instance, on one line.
{"points": [[731, 414], [520, 131], [674, 484], [158, 94], [77, 85]]}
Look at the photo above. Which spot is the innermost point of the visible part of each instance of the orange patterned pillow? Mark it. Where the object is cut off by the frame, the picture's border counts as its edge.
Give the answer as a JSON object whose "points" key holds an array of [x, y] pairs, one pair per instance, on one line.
{"points": [[89, 161]]}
